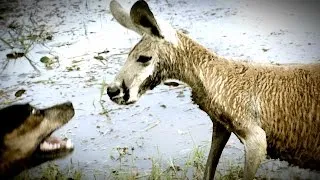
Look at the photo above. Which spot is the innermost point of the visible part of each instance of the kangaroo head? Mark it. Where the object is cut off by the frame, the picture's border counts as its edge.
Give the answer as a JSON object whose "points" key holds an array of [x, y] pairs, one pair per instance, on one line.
{"points": [[143, 68]]}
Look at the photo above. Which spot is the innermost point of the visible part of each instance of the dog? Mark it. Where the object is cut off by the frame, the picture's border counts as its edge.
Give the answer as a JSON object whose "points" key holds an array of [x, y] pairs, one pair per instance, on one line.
{"points": [[25, 140]]}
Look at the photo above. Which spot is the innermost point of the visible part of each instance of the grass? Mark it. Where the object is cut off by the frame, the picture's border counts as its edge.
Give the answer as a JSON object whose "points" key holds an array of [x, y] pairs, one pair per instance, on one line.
{"points": [[22, 38], [197, 162], [54, 172], [103, 88], [192, 168], [232, 172]]}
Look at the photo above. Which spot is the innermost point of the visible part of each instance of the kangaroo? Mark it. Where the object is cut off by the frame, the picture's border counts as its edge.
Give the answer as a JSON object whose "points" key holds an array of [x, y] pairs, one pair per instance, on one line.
{"points": [[25, 136], [273, 109]]}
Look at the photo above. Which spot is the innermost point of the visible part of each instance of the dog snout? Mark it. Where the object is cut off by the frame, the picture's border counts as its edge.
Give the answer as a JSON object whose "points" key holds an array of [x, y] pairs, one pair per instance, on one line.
{"points": [[113, 91], [69, 104]]}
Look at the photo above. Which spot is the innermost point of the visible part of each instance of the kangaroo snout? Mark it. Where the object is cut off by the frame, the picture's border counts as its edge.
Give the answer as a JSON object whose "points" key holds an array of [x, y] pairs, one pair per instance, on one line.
{"points": [[119, 93], [113, 91]]}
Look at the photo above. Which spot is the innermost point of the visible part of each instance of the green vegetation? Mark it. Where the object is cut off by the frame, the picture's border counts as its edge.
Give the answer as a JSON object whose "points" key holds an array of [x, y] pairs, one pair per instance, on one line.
{"points": [[103, 89], [22, 38], [53, 172], [232, 172], [192, 168]]}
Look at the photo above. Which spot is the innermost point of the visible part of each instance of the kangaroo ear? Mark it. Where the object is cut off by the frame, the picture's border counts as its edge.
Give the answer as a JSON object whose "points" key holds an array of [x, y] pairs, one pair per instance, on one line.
{"points": [[122, 16], [142, 17]]}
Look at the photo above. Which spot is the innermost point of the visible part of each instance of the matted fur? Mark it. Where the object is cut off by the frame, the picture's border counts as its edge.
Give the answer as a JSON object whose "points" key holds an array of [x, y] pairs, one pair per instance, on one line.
{"points": [[284, 100], [272, 109]]}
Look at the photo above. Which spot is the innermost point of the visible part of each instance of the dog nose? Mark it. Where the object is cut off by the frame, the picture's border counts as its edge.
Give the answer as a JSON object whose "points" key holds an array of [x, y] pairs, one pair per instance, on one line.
{"points": [[113, 91], [69, 103]]}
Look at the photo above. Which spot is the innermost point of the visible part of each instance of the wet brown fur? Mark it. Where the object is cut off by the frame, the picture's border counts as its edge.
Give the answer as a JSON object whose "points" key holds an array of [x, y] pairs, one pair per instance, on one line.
{"points": [[272, 109], [283, 99], [18, 146]]}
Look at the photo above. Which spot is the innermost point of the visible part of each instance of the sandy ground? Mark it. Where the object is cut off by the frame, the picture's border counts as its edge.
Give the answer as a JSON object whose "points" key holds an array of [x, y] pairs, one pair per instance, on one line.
{"points": [[164, 123]]}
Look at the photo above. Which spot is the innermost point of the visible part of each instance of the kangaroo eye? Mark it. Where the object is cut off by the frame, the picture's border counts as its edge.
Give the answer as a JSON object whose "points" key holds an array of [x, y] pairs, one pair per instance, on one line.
{"points": [[144, 59]]}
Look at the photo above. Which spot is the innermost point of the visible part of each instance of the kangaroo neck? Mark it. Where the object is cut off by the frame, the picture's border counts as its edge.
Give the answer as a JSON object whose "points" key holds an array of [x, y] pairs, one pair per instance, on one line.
{"points": [[190, 62]]}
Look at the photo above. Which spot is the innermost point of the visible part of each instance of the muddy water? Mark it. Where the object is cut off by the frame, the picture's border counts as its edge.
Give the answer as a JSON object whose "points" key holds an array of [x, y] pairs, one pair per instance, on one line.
{"points": [[164, 123]]}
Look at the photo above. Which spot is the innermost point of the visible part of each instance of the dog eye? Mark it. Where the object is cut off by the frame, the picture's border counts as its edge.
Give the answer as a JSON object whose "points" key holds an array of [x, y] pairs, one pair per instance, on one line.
{"points": [[35, 111], [144, 59]]}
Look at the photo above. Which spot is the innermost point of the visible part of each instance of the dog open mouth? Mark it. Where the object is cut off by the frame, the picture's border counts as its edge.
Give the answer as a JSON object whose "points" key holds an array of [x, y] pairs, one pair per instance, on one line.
{"points": [[53, 143], [53, 147], [26, 135]]}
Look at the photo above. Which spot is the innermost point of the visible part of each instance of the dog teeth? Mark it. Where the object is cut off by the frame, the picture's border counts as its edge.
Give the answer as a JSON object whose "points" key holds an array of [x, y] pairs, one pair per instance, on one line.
{"points": [[46, 146], [55, 146], [69, 144], [43, 146]]}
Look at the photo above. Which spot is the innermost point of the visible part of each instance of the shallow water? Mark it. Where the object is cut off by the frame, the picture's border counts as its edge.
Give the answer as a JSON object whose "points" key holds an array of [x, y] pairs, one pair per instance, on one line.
{"points": [[163, 123]]}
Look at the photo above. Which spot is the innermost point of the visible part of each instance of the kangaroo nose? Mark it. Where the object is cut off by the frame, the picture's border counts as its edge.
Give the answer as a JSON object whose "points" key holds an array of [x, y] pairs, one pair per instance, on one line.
{"points": [[113, 91]]}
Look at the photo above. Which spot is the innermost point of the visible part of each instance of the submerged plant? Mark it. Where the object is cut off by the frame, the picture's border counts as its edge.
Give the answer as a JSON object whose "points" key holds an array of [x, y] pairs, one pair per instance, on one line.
{"points": [[22, 38]]}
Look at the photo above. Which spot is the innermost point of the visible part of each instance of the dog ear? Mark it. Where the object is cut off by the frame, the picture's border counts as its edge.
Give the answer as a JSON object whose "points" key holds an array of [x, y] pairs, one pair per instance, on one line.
{"points": [[13, 116], [142, 17]]}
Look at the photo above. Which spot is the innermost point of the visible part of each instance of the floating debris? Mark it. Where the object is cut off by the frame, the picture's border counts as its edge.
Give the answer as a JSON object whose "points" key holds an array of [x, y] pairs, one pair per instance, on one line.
{"points": [[19, 93], [103, 52], [171, 83], [98, 58], [180, 94], [73, 68], [15, 55], [45, 59], [49, 61], [163, 106]]}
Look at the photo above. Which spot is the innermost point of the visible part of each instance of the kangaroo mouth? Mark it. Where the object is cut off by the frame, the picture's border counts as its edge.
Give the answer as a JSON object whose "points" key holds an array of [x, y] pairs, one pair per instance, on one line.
{"points": [[122, 101], [123, 98]]}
